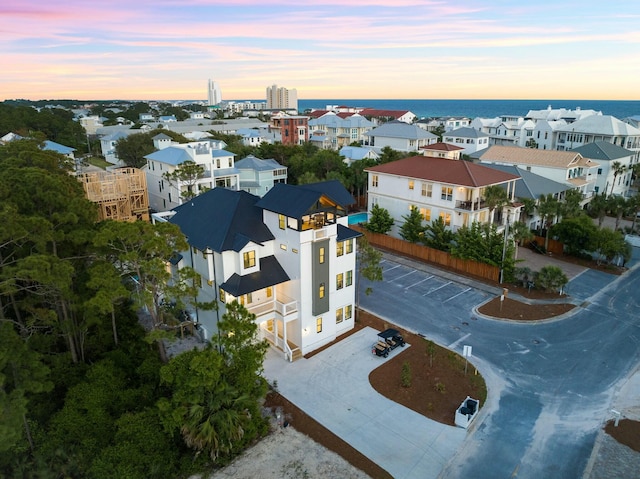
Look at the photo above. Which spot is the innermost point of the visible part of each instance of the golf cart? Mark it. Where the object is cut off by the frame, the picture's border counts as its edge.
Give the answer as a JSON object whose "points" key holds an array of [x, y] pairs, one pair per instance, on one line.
{"points": [[388, 340]]}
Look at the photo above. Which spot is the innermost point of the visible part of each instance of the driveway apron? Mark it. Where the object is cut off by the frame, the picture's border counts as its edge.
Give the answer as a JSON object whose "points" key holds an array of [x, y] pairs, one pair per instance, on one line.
{"points": [[333, 387]]}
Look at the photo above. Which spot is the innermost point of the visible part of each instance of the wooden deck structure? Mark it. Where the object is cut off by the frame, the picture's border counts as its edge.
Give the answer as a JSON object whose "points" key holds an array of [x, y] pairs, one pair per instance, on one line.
{"points": [[121, 194]]}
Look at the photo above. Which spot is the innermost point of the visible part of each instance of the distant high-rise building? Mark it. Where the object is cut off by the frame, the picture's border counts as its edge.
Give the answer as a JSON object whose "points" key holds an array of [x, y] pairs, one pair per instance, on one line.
{"points": [[282, 98], [215, 95]]}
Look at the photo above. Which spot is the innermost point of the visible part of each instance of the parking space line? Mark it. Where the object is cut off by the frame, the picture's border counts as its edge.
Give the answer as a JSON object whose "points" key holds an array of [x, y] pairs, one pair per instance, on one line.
{"points": [[394, 267], [456, 295], [421, 281], [455, 343], [439, 287], [410, 272]]}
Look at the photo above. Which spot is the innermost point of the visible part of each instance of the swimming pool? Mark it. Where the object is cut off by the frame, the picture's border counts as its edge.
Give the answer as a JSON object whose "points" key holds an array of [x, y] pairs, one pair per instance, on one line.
{"points": [[358, 218]]}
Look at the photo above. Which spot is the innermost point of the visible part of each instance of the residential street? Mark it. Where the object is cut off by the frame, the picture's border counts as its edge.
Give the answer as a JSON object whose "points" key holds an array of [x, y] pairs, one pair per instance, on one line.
{"points": [[550, 384]]}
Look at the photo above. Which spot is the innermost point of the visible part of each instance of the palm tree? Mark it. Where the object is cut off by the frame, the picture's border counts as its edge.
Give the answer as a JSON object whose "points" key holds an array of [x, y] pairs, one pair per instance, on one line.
{"points": [[520, 232], [218, 425], [495, 197], [618, 168], [618, 207], [548, 209], [634, 209], [598, 208], [571, 205], [528, 208]]}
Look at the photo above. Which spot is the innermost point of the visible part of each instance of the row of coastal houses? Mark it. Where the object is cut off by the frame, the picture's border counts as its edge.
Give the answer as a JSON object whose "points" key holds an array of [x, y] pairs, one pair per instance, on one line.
{"points": [[440, 185], [219, 169], [287, 253]]}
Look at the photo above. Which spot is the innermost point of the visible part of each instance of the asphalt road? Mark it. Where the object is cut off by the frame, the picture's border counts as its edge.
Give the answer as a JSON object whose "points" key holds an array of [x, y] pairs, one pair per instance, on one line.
{"points": [[550, 384]]}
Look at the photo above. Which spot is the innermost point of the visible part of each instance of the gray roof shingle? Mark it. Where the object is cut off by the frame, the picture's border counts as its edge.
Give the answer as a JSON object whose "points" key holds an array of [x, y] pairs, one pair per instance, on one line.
{"points": [[603, 150], [296, 200], [222, 220]]}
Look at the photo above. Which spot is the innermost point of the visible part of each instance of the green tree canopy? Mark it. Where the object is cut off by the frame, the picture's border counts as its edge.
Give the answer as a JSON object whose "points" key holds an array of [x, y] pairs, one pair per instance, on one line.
{"points": [[412, 229], [380, 220], [368, 266], [187, 175], [576, 233], [438, 236]]}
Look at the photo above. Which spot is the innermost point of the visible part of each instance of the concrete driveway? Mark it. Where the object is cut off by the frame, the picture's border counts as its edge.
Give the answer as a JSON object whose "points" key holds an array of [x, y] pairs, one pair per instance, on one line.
{"points": [[537, 261], [333, 387]]}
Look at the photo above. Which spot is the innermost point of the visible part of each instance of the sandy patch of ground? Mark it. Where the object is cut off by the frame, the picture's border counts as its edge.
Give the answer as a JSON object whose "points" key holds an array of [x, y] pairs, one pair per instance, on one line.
{"points": [[287, 453]]}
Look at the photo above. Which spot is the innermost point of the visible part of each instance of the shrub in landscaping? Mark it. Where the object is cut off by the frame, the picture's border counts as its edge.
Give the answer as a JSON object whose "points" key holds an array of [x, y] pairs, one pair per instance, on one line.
{"points": [[405, 375]]}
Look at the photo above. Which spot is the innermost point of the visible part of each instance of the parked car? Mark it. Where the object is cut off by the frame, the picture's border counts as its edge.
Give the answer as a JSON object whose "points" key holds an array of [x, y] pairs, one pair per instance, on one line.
{"points": [[388, 340]]}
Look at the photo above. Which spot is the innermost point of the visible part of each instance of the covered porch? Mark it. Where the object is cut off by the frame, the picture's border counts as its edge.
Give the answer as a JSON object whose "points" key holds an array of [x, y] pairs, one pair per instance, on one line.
{"points": [[278, 323]]}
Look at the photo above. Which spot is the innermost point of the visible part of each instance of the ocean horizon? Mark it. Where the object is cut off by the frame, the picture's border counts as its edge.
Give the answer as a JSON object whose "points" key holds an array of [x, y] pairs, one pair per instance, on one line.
{"points": [[425, 108]]}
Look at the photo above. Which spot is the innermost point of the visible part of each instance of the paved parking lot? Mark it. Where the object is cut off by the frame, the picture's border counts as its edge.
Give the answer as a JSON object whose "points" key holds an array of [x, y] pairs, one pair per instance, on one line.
{"points": [[427, 294]]}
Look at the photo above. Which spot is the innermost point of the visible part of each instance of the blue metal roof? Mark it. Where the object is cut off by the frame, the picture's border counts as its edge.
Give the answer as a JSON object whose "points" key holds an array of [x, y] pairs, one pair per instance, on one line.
{"points": [[172, 156], [53, 146]]}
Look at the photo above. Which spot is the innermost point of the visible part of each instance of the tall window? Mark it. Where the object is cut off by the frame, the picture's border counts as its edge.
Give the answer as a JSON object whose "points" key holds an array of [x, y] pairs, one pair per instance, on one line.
{"points": [[339, 248], [223, 295], [425, 213], [339, 316], [249, 258], [321, 255], [318, 325], [348, 312], [339, 280], [321, 291], [349, 244], [281, 221], [427, 189], [411, 184], [374, 180], [447, 193], [269, 292], [446, 217], [349, 277]]}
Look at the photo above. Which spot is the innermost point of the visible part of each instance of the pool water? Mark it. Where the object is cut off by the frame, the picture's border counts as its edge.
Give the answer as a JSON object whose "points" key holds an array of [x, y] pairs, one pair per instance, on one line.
{"points": [[358, 218]]}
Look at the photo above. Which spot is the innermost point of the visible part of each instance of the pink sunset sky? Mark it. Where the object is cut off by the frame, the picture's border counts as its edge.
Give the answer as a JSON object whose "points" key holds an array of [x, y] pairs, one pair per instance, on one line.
{"points": [[168, 49]]}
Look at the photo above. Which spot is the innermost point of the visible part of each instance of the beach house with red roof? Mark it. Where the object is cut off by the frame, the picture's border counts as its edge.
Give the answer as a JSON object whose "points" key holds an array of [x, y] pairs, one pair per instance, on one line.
{"points": [[453, 190], [383, 116]]}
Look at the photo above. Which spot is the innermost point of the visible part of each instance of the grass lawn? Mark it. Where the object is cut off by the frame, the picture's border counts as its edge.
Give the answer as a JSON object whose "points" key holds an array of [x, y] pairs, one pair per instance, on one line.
{"points": [[99, 162]]}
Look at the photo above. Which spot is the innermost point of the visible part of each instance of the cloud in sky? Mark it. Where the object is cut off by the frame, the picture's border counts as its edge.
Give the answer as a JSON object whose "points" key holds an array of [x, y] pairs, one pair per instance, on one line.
{"points": [[168, 49]]}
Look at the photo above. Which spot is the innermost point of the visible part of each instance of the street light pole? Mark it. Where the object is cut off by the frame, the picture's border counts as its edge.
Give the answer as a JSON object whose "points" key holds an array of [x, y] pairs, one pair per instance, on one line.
{"points": [[504, 249]]}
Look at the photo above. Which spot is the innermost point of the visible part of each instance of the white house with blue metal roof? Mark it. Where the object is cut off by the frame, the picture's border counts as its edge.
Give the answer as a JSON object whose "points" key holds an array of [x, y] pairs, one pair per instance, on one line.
{"points": [[288, 257], [339, 130], [400, 136], [467, 138], [218, 164], [258, 176], [356, 153]]}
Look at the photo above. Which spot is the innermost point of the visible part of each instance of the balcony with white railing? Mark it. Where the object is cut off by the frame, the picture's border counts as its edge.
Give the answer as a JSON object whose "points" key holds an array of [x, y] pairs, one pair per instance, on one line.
{"points": [[283, 308]]}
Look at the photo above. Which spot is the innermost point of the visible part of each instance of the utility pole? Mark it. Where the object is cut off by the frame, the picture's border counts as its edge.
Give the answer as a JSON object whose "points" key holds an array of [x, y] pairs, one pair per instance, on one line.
{"points": [[504, 249]]}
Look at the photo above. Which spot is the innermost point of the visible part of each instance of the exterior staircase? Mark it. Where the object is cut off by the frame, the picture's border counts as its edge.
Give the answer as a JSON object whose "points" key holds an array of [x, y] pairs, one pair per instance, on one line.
{"points": [[295, 350]]}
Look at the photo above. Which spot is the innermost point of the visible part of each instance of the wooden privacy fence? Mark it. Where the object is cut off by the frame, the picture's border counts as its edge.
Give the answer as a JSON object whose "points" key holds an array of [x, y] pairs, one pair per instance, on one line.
{"points": [[555, 246], [431, 255]]}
